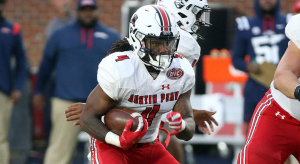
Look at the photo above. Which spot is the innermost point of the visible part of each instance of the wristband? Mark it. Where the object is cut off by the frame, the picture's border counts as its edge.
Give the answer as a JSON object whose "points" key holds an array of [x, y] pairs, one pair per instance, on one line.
{"points": [[113, 139], [182, 126], [297, 92]]}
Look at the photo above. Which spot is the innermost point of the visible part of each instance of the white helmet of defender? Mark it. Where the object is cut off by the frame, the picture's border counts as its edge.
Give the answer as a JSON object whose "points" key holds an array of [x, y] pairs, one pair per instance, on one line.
{"points": [[154, 36], [189, 15]]}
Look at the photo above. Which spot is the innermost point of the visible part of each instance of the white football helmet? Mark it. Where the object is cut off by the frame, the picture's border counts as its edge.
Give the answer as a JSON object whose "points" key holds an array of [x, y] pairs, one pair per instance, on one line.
{"points": [[154, 36], [189, 15]]}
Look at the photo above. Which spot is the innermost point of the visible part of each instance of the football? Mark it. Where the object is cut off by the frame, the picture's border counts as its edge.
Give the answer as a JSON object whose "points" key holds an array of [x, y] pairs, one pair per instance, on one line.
{"points": [[117, 118]]}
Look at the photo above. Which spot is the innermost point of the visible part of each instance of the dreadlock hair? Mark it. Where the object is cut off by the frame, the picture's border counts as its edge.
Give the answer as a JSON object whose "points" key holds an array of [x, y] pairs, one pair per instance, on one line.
{"points": [[120, 46]]}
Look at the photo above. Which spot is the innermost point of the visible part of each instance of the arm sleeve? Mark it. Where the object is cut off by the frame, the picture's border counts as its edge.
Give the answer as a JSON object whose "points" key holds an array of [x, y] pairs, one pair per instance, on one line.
{"points": [[239, 51], [21, 61], [48, 63], [292, 30]]}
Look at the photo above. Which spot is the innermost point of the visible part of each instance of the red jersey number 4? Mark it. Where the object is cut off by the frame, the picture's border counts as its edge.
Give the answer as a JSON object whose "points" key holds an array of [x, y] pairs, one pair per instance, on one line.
{"points": [[122, 57]]}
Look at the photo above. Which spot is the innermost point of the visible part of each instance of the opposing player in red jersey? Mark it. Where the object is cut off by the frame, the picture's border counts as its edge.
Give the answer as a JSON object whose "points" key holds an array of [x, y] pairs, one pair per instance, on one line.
{"points": [[274, 130]]}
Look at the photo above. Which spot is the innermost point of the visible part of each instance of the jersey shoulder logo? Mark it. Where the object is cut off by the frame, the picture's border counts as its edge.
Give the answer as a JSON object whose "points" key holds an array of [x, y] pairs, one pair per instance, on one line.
{"points": [[122, 57], [175, 73], [5, 30]]}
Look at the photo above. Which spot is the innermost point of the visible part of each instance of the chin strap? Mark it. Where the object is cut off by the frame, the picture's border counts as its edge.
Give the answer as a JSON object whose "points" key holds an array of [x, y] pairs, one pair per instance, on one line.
{"points": [[167, 141]]}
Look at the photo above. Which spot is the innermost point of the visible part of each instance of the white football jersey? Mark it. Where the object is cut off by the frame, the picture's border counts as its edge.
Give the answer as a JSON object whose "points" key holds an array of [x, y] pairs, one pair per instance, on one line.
{"points": [[188, 47], [292, 29], [124, 78], [292, 106]]}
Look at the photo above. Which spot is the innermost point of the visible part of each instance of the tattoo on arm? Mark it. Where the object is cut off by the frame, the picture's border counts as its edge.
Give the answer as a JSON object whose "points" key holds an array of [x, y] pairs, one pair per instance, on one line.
{"points": [[184, 107]]}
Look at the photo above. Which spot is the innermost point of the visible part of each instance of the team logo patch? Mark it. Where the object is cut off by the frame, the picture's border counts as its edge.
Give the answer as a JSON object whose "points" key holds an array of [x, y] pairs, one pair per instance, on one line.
{"points": [[280, 26], [101, 35], [87, 2], [175, 73], [256, 30], [5, 30]]}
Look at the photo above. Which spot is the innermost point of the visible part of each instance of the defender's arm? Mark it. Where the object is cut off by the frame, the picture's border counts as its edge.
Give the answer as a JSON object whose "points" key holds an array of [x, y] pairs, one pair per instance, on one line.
{"points": [[288, 71]]}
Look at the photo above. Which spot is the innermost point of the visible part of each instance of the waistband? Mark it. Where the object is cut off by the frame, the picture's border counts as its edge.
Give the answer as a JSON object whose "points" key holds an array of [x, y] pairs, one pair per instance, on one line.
{"points": [[140, 145], [277, 111]]}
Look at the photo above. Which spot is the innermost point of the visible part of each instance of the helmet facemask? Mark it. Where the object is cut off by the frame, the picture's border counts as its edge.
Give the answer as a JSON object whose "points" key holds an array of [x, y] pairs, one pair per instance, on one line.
{"points": [[158, 52], [202, 19]]}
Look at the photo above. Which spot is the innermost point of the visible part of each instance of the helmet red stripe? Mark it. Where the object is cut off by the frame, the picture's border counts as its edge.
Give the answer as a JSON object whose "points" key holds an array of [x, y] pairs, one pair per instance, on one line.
{"points": [[165, 19]]}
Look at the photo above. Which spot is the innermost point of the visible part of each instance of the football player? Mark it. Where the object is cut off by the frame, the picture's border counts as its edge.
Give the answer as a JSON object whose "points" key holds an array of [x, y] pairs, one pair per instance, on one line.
{"points": [[190, 17], [142, 73], [262, 38], [274, 128]]}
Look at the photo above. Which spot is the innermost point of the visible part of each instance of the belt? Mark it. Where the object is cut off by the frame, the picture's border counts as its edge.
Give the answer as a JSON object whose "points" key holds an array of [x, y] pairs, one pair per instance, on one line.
{"points": [[139, 145]]}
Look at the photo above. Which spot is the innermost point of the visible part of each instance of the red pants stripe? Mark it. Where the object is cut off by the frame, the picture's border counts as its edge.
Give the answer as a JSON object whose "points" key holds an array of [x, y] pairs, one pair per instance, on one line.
{"points": [[154, 153], [273, 135]]}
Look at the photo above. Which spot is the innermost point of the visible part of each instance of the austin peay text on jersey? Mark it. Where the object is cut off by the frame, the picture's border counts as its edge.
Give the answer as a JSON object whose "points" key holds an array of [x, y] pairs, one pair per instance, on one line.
{"points": [[152, 99]]}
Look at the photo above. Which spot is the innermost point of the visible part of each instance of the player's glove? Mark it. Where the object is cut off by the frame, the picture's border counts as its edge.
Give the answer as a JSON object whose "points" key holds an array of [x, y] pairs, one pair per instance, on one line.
{"points": [[128, 138], [176, 122]]}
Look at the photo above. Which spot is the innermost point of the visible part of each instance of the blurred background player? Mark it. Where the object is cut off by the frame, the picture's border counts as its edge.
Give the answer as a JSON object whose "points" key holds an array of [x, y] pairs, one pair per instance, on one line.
{"points": [[73, 54], [274, 128], [64, 17], [11, 80], [262, 38]]}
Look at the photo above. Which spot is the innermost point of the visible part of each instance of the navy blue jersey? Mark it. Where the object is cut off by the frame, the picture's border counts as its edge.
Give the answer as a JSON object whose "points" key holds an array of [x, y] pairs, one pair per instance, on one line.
{"points": [[11, 45], [263, 39], [73, 54]]}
